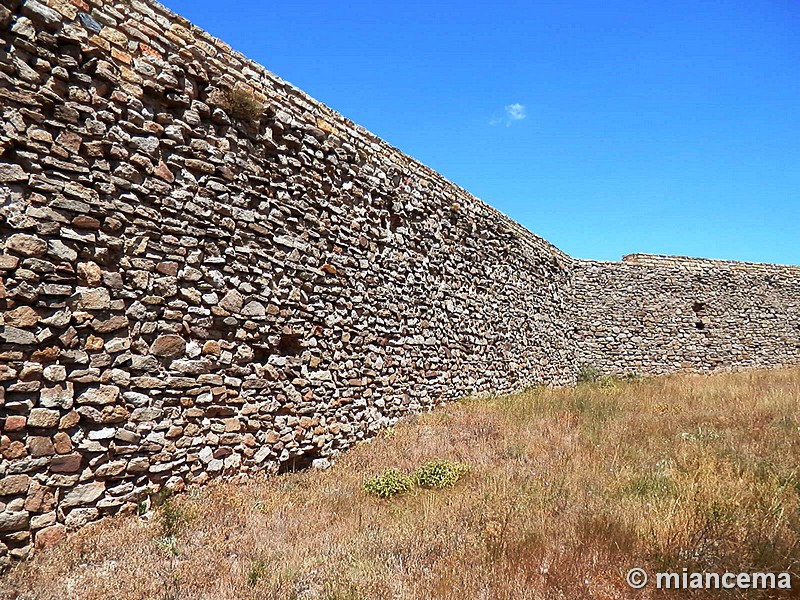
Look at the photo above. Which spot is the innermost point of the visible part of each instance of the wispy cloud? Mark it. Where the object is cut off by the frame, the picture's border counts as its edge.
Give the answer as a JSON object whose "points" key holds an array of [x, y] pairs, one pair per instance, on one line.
{"points": [[513, 112]]}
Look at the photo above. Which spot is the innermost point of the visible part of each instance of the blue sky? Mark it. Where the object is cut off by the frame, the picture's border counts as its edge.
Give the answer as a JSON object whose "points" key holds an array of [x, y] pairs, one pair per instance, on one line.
{"points": [[606, 126]]}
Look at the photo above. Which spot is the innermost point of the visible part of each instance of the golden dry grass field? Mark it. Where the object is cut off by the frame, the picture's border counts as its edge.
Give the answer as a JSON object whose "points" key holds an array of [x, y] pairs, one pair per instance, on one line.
{"points": [[566, 491]]}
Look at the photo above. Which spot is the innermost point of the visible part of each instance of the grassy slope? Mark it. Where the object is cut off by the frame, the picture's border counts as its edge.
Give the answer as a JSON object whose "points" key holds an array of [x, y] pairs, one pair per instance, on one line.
{"points": [[567, 490]]}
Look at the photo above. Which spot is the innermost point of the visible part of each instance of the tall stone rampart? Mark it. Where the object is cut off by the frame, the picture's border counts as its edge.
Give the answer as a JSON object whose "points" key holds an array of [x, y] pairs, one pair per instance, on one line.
{"points": [[204, 272]]}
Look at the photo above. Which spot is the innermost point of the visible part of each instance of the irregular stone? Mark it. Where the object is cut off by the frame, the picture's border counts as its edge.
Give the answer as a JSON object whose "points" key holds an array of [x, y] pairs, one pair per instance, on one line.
{"points": [[43, 418], [26, 245], [232, 301], [59, 396], [254, 309], [14, 335], [111, 469], [232, 425], [80, 517], [15, 423], [68, 463], [50, 536], [144, 363], [102, 434], [128, 437], [86, 222], [24, 316], [89, 274], [42, 521], [321, 464], [199, 165], [83, 494], [8, 373], [41, 14], [111, 324], [14, 485], [116, 345], [93, 298], [193, 349], [58, 249], [93, 343], [8, 262], [69, 420], [40, 498], [138, 465], [146, 414], [168, 346], [40, 446], [212, 347], [105, 394], [12, 173], [162, 171], [13, 450], [14, 521], [62, 443], [55, 373]]}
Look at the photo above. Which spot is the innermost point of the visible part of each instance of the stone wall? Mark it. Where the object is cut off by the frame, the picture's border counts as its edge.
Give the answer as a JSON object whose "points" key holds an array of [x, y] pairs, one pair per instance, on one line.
{"points": [[650, 315], [204, 272]]}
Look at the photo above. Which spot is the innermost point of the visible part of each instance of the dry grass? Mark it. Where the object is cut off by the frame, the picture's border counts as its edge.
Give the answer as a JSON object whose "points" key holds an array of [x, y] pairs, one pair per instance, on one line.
{"points": [[240, 102], [566, 491]]}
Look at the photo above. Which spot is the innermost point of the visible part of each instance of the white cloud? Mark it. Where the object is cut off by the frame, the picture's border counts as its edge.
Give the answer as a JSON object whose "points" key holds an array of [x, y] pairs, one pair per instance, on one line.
{"points": [[513, 112]]}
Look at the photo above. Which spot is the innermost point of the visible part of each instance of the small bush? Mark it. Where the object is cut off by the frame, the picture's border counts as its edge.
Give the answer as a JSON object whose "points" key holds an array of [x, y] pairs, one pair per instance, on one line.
{"points": [[588, 374], [142, 507], [650, 485], [257, 570], [388, 484], [168, 543], [172, 518], [239, 102], [439, 474]]}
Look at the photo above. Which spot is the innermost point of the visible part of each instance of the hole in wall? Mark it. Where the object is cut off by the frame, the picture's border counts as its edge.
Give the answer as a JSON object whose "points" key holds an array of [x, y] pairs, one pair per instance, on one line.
{"points": [[261, 354], [298, 463], [395, 222], [698, 306], [700, 325], [290, 344]]}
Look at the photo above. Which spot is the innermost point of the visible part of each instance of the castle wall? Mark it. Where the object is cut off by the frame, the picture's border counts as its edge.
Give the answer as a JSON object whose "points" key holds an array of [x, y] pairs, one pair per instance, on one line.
{"points": [[650, 315], [206, 273], [190, 292]]}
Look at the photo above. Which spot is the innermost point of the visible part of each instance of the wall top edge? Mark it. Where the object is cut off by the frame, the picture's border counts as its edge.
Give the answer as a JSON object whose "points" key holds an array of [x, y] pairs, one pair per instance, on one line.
{"points": [[666, 260]]}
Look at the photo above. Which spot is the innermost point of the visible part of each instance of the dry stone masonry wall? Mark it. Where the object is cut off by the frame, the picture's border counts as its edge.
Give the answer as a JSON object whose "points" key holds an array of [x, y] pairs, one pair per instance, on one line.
{"points": [[206, 273], [658, 314]]}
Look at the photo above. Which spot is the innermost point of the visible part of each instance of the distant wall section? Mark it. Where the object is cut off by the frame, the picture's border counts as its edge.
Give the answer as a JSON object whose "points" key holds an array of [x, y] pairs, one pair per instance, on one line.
{"points": [[660, 314]]}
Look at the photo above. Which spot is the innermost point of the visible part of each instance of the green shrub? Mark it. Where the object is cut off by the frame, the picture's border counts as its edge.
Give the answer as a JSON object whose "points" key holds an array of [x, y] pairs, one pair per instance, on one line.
{"points": [[172, 518], [169, 543], [651, 485], [439, 474], [257, 570], [588, 374], [388, 483]]}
